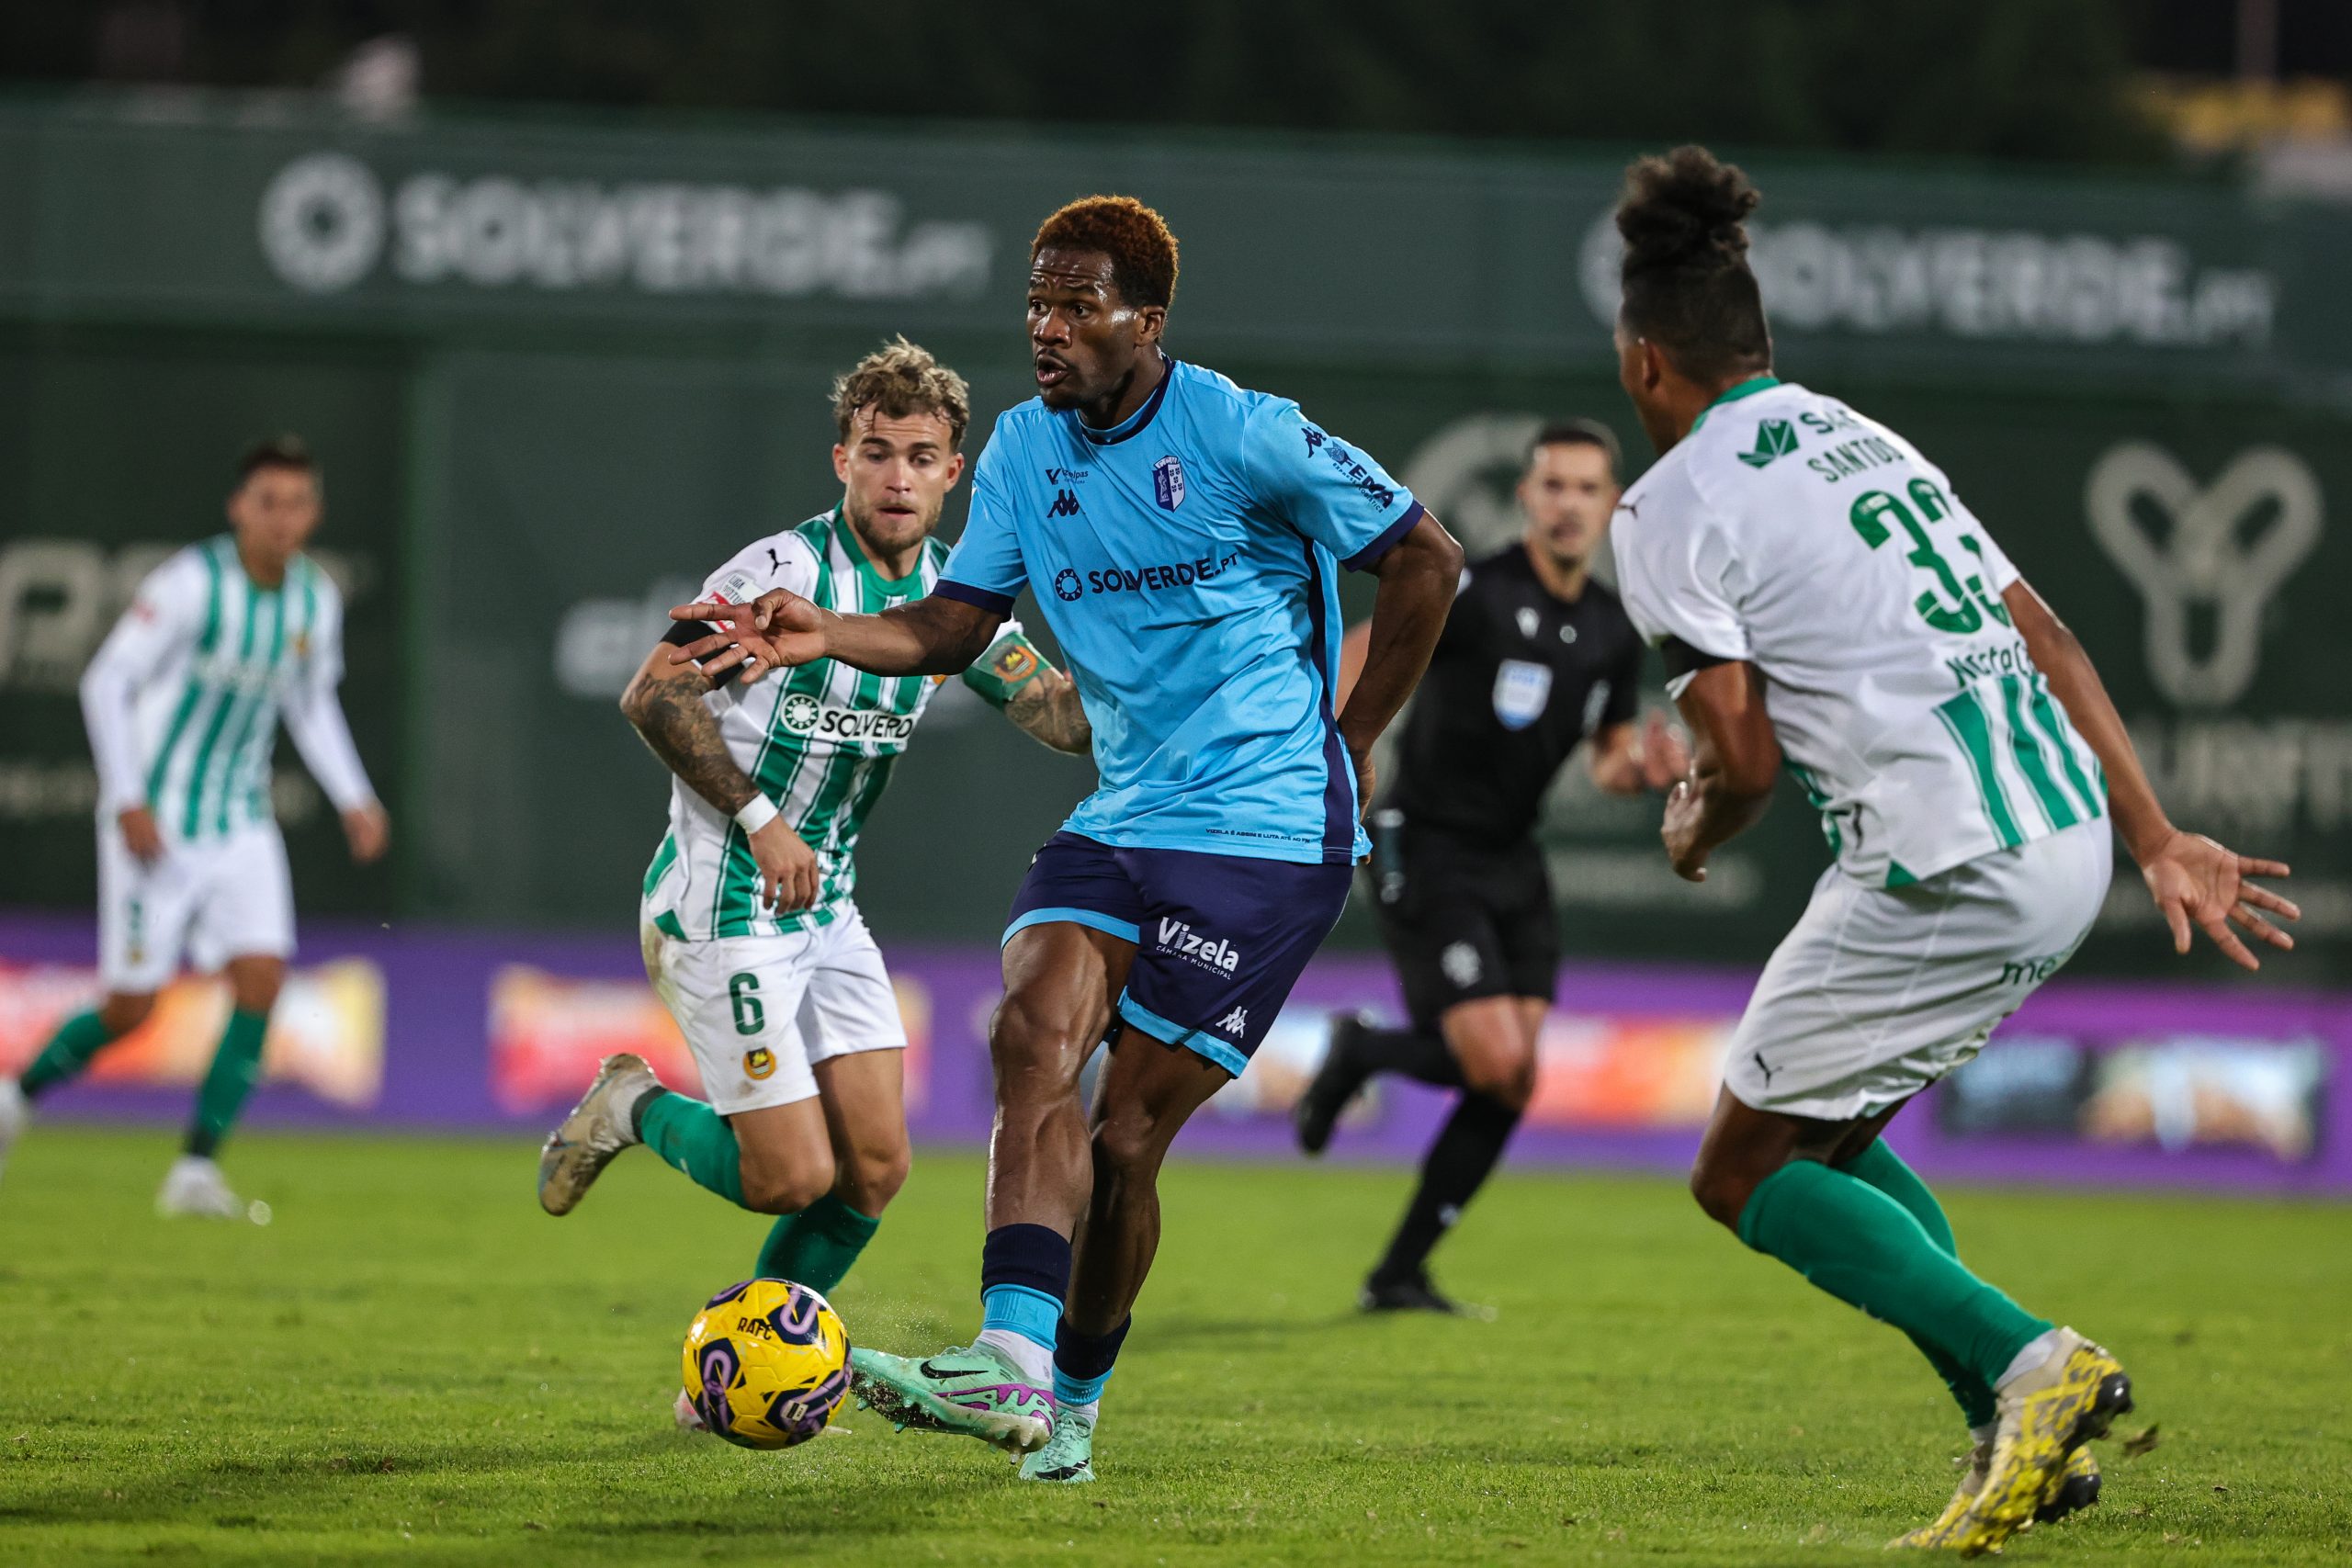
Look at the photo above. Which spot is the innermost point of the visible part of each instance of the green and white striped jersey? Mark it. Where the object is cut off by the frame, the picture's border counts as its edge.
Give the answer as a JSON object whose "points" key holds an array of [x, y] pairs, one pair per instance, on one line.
{"points": [[1791, 532], [184, 698], [820, 741]]}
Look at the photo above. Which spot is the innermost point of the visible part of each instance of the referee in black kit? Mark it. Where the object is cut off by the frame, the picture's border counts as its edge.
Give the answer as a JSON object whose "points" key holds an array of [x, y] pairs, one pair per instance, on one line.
{"points": [[1535, 657]]}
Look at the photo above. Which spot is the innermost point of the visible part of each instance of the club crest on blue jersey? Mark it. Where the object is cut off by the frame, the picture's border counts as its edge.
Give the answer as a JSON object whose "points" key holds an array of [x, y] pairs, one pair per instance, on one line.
{"points": [[1168, 482], [1521, 691]]}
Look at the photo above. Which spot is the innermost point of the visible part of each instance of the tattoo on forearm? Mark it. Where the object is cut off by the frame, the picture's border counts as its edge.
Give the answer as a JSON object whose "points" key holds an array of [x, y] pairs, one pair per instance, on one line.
{"points": [[670, 717], [1052, 713]]}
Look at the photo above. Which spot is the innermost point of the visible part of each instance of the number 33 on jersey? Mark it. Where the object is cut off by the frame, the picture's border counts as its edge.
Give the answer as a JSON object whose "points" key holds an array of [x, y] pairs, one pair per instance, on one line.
{"points": [[1789, 531]]}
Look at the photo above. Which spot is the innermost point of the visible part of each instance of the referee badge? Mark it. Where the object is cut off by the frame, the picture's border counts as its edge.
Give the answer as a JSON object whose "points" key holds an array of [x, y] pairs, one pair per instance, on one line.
{"points": [[1521, 691]]}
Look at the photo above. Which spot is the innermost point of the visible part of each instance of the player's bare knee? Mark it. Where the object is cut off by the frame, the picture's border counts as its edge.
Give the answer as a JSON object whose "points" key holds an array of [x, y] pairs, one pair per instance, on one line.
{"points": [[872, 1176], [1036, 1053], [124, 1011], [1506, 1078], [1129, 1145], [786, 1187], [1722, 1193], [253, 983]]}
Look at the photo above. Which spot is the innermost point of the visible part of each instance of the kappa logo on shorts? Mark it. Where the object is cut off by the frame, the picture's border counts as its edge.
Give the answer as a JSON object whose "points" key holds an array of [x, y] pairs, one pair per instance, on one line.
{"points": [[1177, 937], [1461, 963], [1235, 1023], [759, 1062]]}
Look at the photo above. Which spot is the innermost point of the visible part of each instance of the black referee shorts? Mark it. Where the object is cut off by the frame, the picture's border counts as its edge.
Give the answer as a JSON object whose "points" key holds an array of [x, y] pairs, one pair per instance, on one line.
{"points": [[1461, 920]]}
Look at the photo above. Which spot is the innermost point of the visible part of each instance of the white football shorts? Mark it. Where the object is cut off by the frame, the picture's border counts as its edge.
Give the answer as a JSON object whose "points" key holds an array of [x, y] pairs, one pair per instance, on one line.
{"points": [[761, 1011], [209, 901], [1876, 993]]}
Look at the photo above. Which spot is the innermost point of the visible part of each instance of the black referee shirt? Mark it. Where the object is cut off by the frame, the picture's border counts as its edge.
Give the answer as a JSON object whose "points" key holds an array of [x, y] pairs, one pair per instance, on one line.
{"points": [[1518, 678]]}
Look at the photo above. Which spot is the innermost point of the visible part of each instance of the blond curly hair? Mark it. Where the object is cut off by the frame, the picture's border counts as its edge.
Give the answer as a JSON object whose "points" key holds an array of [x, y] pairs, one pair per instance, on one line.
{"points": [[901, 379]]}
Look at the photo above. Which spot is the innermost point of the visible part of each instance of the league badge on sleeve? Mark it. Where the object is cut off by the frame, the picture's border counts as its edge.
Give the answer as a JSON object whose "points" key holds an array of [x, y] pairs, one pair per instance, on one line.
{"points": [[1168, 482], [1521, 691]]}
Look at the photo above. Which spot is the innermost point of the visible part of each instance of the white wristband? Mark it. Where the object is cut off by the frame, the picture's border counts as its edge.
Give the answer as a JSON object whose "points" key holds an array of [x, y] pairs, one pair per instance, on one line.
{"points": [[756, 814]]}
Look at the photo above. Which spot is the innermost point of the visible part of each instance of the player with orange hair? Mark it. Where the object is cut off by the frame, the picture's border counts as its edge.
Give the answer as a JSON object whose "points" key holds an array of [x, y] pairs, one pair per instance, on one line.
{"points": [[1183, 537]]}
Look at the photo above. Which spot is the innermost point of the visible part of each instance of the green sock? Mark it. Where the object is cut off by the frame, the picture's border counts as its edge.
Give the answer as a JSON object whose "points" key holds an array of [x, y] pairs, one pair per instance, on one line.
{"points": [[815, 1247], [69, 1050], [1860, 1245], [696, 1139], [1883, 1168], [236, 1063]]}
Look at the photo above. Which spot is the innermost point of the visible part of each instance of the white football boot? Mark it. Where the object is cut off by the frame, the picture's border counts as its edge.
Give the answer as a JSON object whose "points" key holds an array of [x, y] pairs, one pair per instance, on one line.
{"points": [[195, 1185], [599, 1126]]}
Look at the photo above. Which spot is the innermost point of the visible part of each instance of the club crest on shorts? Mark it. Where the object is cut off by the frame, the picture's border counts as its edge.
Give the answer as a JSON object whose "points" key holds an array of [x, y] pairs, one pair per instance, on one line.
{"points": [[1168, 483], [1521, 691], [759, 1062], [1461, 963]]}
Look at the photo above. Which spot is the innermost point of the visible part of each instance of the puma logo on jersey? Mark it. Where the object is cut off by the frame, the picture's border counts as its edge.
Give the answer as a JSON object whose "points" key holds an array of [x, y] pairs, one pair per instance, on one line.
{"points": [[1236, 1022], [1182, 939], [1775, 439]]}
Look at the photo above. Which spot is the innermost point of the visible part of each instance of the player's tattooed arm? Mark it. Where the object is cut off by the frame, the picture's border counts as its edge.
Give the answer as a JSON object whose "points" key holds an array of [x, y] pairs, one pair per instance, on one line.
{"points": [[1735, 760], [664, 703], [2194, 881], [1047, 706]]}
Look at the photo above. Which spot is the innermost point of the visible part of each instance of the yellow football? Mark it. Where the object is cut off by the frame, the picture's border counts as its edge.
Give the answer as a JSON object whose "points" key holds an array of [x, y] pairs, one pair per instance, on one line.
{"points": [[768, 1363]]}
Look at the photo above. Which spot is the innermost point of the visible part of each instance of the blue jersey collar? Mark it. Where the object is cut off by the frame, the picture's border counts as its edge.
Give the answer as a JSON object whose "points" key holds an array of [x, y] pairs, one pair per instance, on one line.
{"points": [[1134, 421]]}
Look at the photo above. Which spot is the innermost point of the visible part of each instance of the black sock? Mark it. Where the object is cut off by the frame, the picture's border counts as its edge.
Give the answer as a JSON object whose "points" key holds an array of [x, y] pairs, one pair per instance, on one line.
{"points": [[1412, 1052], [1456, 1166]]}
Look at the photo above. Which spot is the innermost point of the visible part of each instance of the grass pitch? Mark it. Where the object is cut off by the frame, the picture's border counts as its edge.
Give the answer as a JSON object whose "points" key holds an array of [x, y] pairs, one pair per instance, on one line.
{"points": [[414, 1365]]}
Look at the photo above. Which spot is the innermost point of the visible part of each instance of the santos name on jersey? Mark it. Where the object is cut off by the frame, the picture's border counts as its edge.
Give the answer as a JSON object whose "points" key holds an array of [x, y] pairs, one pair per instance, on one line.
{"points": [[818, 741], [1791, 532], [184, 698]]}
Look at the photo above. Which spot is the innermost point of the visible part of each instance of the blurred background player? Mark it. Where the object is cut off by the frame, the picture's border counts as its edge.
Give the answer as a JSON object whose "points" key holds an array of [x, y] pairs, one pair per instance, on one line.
{"points": [[1183, 534], [752, 935], [182, 703], [1823, 598], [1536, 658]]}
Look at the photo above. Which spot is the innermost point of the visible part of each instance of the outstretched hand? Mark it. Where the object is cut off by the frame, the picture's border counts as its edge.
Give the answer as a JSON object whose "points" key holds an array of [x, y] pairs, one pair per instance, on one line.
{"points": [[777, 630], [1663, 757], [2198, 883]]}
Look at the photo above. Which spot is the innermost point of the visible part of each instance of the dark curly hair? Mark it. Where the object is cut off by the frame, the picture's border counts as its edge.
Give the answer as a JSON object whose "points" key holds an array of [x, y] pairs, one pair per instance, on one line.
{"points": [[1142, 250], [1687, 283]]}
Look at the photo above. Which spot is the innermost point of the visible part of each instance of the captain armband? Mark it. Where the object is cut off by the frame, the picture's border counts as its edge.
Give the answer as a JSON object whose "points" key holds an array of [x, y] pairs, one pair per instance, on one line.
{"points": [[1010, 663]]}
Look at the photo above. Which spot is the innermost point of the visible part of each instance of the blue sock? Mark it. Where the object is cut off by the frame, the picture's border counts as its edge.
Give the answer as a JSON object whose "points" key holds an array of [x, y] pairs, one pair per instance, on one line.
{"points": [[1083, 1363], [1024, 1273]]}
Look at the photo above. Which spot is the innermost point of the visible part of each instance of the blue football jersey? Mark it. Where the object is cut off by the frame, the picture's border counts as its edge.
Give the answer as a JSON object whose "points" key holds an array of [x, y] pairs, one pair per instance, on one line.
{"points": [[1186, 561]]}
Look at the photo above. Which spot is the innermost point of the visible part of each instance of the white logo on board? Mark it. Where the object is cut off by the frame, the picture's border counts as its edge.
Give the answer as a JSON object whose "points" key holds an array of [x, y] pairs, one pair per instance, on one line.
{"points": [[1979, 284], [2224, 550], [322, 222], [326, 222]]}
